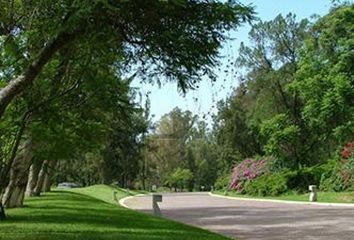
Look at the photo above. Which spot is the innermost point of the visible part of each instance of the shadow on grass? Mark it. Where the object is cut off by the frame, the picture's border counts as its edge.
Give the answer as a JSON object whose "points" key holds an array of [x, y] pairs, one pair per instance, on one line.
{"points": [[70, 215]]}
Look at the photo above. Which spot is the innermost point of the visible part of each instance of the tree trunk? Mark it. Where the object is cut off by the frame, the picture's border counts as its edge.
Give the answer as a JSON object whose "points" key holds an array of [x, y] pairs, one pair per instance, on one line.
{"points": [[2, 212], [14, 193], [33, 178], [8, 165], [17, 197], [21, 82], [48, 176], [41, 176]]}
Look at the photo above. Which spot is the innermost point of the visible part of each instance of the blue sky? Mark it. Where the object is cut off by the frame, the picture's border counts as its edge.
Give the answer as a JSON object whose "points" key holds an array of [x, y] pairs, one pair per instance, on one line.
{"points": [[166, 98]]}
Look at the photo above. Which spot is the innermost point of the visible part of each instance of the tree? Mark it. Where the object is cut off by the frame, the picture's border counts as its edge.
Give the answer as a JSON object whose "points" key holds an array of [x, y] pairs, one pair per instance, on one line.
{"points": [[188, 32], [325, 80], [296, 99], [122, 155], [64, 111], [272, 64], [235, 133], [206, 165], [171, 138], [180, 178]]}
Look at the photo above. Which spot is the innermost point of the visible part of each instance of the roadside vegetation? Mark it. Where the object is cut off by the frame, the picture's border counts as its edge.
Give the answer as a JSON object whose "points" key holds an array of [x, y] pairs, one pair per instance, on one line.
{"points": [[69, 113], [288, 124]]}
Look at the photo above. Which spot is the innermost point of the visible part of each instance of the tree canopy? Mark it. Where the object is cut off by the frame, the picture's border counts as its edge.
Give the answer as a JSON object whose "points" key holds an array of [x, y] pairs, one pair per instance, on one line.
{"points": [[178, 40]]}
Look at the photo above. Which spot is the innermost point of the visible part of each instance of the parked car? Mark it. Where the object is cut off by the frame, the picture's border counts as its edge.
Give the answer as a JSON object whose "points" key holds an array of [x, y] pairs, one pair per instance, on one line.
{"points": [[68, 185]]}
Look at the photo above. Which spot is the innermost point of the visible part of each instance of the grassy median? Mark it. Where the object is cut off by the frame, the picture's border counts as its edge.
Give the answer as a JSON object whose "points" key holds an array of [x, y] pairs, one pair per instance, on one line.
{"points": [[324, 197]]}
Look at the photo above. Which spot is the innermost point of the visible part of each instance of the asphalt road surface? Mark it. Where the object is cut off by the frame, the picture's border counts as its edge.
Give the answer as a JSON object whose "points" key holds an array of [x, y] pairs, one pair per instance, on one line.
{"points": [[251, 220]]}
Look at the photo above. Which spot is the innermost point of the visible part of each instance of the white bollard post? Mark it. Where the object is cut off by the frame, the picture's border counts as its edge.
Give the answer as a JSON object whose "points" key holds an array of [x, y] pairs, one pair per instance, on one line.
{"points": [[155, 199], [313, 193]]}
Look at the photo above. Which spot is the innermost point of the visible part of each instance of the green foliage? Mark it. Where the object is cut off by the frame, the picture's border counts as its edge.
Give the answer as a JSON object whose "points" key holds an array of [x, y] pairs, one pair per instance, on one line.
{"points": [[181, 43], [282, 138], [338, 174], [263, 115], [325, 78], [269, 185], [294, 103], [180, 141], [331, 179], [67, 60], [233, 129], [276, 184], [180, 178], [169, 146], [222, 182]]}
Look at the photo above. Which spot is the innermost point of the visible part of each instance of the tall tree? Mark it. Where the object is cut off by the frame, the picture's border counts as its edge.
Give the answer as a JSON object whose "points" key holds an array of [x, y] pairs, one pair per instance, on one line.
{"points": [[325, 80], [272, 63]]}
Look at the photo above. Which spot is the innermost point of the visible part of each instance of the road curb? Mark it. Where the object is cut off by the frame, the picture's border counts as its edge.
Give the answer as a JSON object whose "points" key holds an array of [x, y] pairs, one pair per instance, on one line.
{"points": [[122, 200], [284, 201]]}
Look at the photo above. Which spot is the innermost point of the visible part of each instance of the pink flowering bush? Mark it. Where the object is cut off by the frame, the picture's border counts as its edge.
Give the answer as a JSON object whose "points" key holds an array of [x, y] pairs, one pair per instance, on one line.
{"points": [[340, 174], [348, 151], [247, 170], [347, 171]]}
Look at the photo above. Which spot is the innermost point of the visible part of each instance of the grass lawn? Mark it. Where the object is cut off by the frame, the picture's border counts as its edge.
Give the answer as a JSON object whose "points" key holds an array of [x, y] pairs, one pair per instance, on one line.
{"points": [[90, 213], [327, 197]]}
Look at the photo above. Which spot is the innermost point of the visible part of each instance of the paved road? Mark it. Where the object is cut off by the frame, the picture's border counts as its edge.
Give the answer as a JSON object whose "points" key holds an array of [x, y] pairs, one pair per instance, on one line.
{"points": [[251, 220]]}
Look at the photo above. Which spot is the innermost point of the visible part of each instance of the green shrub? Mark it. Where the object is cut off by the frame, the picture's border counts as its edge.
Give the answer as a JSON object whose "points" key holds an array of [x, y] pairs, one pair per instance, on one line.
{"points": [[332, 179], [268, 185], [305, 177], [338, 173], [222, 182], [180, 178], [279, 183]]}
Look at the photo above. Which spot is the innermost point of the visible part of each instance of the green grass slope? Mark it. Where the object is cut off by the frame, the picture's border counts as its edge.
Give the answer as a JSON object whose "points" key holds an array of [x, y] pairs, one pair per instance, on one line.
{"points": [[88, 214]]}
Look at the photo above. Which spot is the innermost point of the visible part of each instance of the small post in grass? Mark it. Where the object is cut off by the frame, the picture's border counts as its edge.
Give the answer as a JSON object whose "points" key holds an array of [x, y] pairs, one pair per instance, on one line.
{"points": [[127, 191], [313, 193], [115, 196], [155, 199]]}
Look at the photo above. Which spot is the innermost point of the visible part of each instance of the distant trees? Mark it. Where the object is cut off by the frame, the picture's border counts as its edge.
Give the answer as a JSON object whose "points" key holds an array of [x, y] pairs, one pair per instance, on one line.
{"points": [[179, 153], [168, 146], [271, 62], [180, 179]]}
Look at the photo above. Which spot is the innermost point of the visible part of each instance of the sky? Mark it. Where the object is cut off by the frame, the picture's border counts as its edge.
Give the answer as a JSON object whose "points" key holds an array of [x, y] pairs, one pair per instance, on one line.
{"points": [[202, 101]]}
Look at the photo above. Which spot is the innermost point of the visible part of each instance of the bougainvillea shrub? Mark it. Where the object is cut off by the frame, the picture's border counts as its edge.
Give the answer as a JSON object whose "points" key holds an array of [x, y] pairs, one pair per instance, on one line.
{"points": [[340, 173], [247, 170], [347, 171], [348, 151]]}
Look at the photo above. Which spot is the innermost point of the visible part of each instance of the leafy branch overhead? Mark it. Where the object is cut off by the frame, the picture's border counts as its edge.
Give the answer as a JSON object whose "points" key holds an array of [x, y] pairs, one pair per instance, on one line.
{"points": [[178, 40]]}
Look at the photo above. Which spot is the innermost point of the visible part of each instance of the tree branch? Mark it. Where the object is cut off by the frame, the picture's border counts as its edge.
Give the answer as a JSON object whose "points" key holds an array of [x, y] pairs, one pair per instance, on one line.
{"points": [[19, 83]]}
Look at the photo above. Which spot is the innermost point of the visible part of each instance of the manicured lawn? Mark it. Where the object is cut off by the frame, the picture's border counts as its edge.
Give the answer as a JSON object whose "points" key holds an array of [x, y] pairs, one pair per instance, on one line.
{"points": [[88, 214], [328, 197]]}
